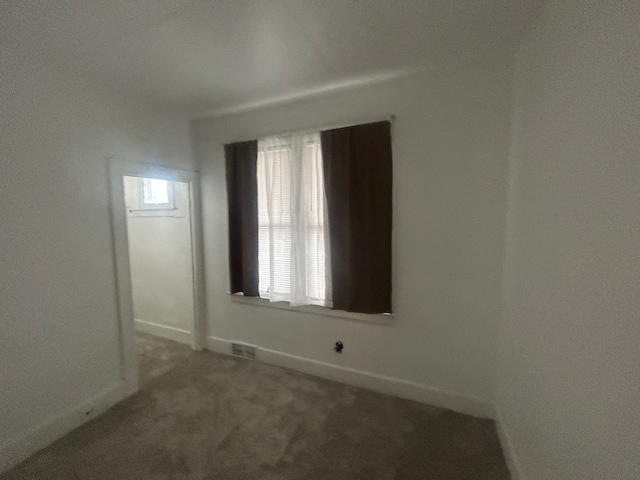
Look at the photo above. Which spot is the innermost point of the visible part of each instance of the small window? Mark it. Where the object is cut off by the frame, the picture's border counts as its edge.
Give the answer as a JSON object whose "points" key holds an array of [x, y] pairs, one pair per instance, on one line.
{"points": [[148, 197], [155, 192]]}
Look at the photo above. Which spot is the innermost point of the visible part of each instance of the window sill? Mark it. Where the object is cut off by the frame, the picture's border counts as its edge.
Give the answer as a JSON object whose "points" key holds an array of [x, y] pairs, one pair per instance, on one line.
{"points": [[383, 319], [154, 212]]}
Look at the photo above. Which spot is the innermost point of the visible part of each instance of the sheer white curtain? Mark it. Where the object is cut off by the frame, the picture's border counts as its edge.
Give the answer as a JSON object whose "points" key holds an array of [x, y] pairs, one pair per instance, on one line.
{"points": [[292, 227]]}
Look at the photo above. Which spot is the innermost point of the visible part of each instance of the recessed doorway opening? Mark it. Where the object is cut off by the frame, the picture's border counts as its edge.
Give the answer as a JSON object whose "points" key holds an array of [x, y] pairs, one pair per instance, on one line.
{"points": [[158, 251]]}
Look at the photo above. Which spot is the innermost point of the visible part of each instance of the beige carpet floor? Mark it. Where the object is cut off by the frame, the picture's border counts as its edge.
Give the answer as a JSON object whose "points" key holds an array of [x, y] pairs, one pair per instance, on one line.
{"points": [[201, 415]]}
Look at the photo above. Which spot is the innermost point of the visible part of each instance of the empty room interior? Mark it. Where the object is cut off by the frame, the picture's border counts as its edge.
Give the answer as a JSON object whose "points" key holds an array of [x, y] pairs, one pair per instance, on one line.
{"points": [[299, 239]]}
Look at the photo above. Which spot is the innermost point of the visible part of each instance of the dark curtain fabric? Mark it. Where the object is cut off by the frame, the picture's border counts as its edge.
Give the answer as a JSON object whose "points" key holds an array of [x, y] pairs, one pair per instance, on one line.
{"points": [[242, 193], [358, 184]]}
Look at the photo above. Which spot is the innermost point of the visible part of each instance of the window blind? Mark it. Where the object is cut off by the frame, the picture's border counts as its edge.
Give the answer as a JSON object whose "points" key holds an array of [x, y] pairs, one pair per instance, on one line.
{"points": [[291, 220]]}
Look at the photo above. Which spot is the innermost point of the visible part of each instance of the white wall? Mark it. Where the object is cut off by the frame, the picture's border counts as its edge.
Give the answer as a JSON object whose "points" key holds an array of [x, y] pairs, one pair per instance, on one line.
{"points": [[58, 311], [160, 260], [569, 364], [450, 141]]}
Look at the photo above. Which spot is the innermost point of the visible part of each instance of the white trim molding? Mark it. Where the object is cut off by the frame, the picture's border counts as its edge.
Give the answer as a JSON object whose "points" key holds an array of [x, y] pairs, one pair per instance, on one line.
{"points": [[508, 449], [359, 378], [164, 331], [382, 318], [39, 437]]}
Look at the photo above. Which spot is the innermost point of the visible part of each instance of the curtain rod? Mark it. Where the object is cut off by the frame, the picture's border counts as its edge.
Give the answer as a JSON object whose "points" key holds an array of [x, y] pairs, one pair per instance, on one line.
{"points": [[390, 118]]}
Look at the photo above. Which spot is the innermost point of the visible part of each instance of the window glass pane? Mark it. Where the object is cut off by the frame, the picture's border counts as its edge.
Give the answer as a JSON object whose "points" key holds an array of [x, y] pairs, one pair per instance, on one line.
{"points": [[286, 203], [154, 191]]}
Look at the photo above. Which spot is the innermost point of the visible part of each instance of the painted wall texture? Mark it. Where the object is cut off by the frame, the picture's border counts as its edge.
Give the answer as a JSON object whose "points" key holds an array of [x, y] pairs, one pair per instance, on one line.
{"points": [[160, 259], [58, 306], [568, 369]]}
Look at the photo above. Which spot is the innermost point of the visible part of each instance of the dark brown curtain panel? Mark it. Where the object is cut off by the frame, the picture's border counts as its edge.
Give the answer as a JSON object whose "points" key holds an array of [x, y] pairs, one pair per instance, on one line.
{"points": [[242, 193], [358, 184]]}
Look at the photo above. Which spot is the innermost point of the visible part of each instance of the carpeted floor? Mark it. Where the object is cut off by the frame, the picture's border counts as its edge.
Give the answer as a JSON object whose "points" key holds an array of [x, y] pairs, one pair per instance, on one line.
{"points": [[156, 356], [201, 415]]}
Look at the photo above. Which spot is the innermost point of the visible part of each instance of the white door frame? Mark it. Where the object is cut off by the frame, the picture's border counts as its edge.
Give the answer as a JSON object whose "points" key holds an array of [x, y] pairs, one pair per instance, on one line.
{"points": [[117, 170]]}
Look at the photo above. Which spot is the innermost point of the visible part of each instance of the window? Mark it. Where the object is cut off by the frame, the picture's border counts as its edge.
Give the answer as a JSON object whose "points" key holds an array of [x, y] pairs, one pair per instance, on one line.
{"points": [[291, 220], [156, 194], [310, 218], [155, 191]]}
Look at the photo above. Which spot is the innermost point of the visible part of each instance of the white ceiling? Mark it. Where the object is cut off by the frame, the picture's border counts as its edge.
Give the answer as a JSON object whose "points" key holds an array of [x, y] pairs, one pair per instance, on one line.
{"points": [[204, 56]]}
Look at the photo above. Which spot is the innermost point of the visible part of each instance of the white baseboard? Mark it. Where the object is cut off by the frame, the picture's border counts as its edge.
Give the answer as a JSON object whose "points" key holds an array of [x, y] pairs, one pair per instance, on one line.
{"points": [[21, 448], [164, 331], [371, 381], [507, 448]]}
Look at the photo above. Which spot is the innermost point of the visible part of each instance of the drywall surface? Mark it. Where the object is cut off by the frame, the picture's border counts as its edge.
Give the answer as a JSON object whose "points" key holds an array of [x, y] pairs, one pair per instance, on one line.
{"points": [[160, 258], [58, 308], [568, 383], [450, 142]]}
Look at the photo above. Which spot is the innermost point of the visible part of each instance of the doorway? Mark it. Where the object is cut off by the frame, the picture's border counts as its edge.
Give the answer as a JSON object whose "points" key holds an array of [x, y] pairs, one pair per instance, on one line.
{"points": [[158, 262]]}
